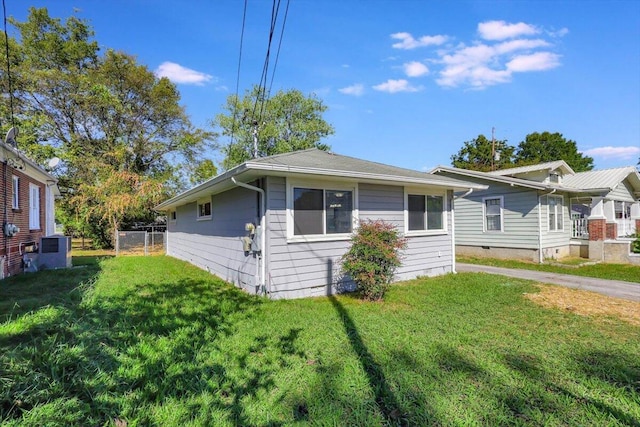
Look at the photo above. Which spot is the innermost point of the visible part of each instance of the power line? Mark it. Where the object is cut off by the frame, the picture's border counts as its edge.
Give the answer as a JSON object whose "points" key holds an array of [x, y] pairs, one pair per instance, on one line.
{"points": [[6, 45], [262, 86], [275, 65], [233, 123]]}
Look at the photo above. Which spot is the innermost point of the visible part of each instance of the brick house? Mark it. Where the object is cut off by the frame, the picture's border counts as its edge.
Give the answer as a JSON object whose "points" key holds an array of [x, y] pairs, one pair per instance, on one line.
{"points": [[27, 195]]}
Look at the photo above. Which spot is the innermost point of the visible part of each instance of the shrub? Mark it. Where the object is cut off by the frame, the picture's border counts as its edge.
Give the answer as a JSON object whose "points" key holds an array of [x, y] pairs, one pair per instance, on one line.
{"points": [[373, 258], [635, 245]]}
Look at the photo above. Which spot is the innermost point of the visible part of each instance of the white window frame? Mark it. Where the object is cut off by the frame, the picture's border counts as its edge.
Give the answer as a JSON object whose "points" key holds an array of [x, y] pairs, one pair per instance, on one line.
{"points": [[173, 215], [484, 214], [322, 185], [15, 192], [561, 206], [201, 202], [34, 207], [425, 192]]}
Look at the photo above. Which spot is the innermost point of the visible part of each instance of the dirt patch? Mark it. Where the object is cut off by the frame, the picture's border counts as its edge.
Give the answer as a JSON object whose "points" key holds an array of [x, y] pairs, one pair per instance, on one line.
{"points": [[586, 303]]}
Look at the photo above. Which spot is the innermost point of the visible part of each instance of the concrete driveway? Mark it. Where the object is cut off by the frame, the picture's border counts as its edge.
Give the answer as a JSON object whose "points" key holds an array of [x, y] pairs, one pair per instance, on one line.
{"points": [[613, 288]]}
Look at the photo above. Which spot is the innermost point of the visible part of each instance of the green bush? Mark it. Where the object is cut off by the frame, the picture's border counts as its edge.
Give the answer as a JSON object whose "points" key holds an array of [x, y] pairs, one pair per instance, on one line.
{"points": [[373, 258], [635, 245]]}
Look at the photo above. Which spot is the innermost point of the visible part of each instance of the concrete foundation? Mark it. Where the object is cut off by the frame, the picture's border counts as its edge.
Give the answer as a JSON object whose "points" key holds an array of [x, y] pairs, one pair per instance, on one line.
{"points": [[513, 253], [579, 249], [613, 251]]}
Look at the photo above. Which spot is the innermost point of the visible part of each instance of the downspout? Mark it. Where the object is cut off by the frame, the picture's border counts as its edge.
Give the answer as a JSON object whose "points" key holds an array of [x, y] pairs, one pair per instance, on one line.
{"points": [[263, 223], [453, 229], [540, 257]]}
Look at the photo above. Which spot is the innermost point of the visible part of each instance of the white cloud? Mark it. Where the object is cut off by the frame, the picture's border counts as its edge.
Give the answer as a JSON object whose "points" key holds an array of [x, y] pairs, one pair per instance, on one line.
{"points": [[502, 50], [394, 86], [538, 61], [610, 152], [408, 42], [179, 74], [415, 69], [355, 90], [500, 30]]}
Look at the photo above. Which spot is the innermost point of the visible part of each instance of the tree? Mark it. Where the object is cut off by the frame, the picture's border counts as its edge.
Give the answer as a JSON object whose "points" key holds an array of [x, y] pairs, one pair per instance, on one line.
{"points": [[477, 155], [117, 127], [202, 171], [288, 121], [548, 147]]}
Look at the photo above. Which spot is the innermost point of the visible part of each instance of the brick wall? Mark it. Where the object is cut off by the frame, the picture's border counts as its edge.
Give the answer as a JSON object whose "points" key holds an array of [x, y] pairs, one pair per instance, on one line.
{"points": [[597, 229], [612, 230], [11, 246]]}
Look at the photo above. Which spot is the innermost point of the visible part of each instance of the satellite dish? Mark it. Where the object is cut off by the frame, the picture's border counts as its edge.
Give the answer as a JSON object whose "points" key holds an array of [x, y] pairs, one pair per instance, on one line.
{"points": [[53, 162], [11, 136]]}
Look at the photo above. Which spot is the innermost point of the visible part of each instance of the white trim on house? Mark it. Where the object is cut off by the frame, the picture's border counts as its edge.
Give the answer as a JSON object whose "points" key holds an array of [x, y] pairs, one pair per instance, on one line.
{"points": [[34, 207], [484, 214], [559, 205], [15, 192], [204, 202], [425, 192], [325, 186]]}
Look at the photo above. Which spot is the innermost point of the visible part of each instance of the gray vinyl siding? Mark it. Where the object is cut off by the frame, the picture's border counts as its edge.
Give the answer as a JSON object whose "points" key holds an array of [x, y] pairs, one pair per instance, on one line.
{"points": [[297, 269], [520, 218], [553, 239], [313, 268], [215, 245], [623, 192]]}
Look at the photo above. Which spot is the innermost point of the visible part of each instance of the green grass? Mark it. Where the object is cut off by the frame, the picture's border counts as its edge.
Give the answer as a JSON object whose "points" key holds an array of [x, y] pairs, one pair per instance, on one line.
{"points": [[626, 272], [154, 341]]}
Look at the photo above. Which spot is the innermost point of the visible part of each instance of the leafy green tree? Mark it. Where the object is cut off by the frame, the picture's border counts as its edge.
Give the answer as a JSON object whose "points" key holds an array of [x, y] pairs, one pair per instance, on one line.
{"points": [[287, 121], [548, 147], [104, 115], [480, 154], [203, 171]]}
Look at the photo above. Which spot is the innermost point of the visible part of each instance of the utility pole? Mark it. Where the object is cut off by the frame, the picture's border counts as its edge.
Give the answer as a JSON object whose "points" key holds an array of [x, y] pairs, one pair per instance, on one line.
{"points": [[255, 139], [493, 147]]}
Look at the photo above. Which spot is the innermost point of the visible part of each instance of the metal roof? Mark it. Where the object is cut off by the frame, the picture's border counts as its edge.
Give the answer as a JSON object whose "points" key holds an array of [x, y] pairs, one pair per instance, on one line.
{"points": [[317, 163], [605, 178], [557, 164]]}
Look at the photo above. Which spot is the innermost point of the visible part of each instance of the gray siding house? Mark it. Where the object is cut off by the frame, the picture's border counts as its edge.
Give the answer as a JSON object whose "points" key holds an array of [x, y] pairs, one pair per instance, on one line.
{"points": [[279, 225], [544, 211]]}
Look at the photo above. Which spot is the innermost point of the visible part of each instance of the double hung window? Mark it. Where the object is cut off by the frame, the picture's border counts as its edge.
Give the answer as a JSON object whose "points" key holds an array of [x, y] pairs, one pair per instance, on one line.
{"points": [[555, 213], [492, 213]]}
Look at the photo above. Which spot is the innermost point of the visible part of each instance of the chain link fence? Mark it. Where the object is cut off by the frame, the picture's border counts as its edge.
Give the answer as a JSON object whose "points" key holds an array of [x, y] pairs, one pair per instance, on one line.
{"points": [[141, 243]]}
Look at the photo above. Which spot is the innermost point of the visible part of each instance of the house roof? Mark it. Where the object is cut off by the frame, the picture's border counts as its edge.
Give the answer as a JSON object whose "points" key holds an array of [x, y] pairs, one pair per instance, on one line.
{"points": [[319, 164], [558, 164], [598, 182], [11, 154], [607, 178], [491, 177]]}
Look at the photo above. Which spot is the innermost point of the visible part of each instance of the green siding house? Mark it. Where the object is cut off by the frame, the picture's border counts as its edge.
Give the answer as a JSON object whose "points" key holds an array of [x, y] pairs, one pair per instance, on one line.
{"points": [[544, 211]]}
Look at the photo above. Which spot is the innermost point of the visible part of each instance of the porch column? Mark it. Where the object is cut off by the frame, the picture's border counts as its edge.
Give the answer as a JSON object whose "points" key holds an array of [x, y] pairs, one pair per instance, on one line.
{"points": [[597, 220], [635, 216], [610, 215]]}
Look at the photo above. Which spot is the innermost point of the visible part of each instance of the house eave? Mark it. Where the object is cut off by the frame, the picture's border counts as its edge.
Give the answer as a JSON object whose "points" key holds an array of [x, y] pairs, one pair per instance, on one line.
{"points": [[252, 170]]}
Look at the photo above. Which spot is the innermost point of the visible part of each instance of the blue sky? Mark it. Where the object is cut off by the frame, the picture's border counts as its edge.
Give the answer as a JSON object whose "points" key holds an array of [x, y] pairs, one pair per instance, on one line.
{"points": [[406, 82]]}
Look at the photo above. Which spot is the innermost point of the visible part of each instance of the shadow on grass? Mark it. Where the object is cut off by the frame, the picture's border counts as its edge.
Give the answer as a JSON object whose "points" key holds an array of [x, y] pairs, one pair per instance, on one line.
{"points": [[124, 355], [386, 400]]}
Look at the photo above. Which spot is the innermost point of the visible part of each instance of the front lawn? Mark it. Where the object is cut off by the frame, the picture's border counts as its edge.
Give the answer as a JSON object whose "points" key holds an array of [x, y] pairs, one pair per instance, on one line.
{"points": [[626, 272], [153, 341]]}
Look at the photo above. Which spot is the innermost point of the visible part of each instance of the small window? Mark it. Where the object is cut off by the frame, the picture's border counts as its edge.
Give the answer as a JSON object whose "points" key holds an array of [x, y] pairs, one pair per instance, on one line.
{"points": [[319, 211], [204, 209], [425, 212], [555, 213], [34, 207], [493, 213], [15, 193], [173, 216], [554, 178]]}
